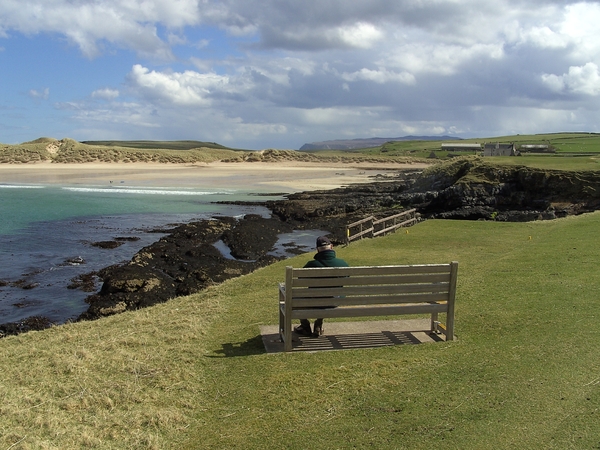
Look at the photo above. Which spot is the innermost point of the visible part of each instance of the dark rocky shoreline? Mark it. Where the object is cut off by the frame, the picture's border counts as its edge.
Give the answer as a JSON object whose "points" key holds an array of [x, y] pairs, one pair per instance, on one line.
{"points": [[186, 261]]}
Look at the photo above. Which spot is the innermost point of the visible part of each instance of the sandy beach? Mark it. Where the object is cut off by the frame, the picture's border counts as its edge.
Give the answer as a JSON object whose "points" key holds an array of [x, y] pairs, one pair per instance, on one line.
{"points": [[289, 176]]}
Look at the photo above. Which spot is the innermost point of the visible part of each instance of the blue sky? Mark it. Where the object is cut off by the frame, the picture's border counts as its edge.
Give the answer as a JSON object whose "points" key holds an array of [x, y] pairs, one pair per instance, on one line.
{"points": [[281, 73]]}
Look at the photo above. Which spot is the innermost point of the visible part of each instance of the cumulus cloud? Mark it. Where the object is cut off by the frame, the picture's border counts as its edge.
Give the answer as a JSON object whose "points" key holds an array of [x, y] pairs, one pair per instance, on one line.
{"points": [[579, 80], [544, 37], [187, 88], [126, 24], [579, 28]]}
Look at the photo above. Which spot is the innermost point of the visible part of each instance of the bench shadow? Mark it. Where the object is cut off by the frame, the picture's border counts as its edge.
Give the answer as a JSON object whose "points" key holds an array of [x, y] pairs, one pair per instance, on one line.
{"points": [[252, 346], [358, 341], [363, 335], [356, 335]]}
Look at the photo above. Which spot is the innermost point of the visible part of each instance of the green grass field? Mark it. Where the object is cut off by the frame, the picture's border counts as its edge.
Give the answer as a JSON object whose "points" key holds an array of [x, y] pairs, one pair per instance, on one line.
{"points": [[524, 372], [579, 163], [573, 150]]}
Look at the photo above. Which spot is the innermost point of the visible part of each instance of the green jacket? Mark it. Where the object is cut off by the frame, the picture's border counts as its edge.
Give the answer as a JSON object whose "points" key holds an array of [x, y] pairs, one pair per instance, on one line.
{"points": [[326, 258]]}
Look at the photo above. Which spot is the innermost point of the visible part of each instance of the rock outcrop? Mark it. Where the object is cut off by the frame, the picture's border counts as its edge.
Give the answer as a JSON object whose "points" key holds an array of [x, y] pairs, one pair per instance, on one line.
{"points": [[186, 261], [466, 188]]}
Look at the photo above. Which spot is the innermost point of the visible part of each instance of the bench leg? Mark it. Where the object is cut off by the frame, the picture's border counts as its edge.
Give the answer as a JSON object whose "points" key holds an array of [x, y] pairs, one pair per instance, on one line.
{"points": [[285, 329], [281, 322], [450, 327], [287, 333], [434, 319]]}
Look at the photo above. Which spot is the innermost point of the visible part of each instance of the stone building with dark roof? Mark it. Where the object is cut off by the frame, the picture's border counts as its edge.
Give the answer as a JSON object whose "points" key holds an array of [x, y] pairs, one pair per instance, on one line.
{"points": [[497, 149]]}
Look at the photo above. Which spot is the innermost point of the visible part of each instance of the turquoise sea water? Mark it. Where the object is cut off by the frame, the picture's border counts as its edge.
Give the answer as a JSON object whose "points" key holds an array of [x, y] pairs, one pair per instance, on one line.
{"points": [[46, 234], [23, 205]]}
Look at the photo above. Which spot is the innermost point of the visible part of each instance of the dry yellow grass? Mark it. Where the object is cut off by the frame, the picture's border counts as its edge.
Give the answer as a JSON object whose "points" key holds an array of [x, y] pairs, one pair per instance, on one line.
{"points": [[130, 381], [70, 151]]}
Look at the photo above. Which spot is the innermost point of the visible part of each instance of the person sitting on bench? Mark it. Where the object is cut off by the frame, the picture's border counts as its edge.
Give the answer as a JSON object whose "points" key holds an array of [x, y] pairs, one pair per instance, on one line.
{"points": [[325, 257]]}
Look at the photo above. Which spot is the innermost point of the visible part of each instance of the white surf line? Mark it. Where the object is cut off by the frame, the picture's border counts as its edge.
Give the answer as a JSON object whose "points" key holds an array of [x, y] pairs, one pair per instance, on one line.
{"points": [[137, 190]]}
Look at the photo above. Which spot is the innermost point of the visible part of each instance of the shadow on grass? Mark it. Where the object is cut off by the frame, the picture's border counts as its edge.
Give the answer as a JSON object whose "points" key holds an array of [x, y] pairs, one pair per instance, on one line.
{"points": [[252, 346]]}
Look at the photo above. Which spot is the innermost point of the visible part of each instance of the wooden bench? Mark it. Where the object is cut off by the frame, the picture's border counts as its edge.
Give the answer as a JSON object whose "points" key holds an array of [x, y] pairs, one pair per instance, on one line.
{"points": [[368, 291]]}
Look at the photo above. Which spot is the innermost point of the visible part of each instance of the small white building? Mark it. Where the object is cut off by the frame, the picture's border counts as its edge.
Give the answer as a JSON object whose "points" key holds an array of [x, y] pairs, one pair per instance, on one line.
{"points": [[536, 148]]}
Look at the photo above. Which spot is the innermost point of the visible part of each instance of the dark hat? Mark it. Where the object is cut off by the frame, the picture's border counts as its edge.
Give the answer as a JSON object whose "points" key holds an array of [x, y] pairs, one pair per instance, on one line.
{"points": [[322, 241]]}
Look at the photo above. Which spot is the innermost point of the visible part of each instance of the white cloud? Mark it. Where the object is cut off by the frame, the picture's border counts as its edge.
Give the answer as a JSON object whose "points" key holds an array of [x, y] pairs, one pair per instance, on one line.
{"points": [[257, 129], [571, 27], [176, 39], [554, 82], [125, 24], [545, 37], [105, 94], [421, 57], [579, 80], [580, 27], [541, 120], [187, 88], [42, 95], [359, 35], [327, 116], [125, 114], [312, 24], [380, 76], [202, 43]]}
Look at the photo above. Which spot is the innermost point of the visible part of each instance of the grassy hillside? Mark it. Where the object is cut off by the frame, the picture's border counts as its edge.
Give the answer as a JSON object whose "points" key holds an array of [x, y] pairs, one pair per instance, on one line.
{"points": [[192, 373], [565, 144]]}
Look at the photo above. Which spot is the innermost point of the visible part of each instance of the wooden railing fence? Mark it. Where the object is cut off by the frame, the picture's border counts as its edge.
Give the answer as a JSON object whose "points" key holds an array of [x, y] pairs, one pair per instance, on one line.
{"points": [[373, 227]]}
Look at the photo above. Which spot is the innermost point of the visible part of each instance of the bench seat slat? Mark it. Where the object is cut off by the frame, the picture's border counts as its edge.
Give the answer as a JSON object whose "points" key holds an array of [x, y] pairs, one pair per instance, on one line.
{"points": [[369, 290], [374, 280], [372, 270], [370, 300], [363, 311]]}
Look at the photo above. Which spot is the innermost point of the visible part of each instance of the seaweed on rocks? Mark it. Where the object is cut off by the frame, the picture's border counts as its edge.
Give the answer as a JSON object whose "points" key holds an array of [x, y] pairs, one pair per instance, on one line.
{"points": [[184, 262]]}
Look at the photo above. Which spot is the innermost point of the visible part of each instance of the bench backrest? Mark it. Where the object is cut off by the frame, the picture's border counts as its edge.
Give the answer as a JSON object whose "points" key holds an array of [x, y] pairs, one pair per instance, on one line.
{"points": [[370, 285]]}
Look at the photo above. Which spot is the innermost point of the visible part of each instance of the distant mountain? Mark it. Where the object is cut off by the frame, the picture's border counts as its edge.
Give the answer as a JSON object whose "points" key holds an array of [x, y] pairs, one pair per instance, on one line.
{"points": [[349, 144]]}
